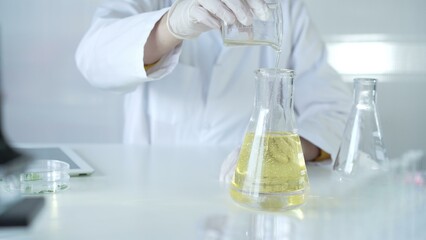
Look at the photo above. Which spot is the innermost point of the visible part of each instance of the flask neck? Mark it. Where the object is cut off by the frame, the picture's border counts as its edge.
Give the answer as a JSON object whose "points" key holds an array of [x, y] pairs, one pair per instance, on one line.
{"points": [[365, 91], [274, 98]]}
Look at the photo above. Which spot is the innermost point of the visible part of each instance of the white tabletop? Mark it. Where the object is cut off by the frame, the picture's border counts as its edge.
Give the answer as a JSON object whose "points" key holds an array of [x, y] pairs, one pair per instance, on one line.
{"points": [[140, 192]]}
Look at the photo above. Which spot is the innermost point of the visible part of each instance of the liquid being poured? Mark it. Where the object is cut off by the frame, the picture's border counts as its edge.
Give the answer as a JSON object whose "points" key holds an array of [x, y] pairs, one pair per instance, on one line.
{"points": [[277, 59]]}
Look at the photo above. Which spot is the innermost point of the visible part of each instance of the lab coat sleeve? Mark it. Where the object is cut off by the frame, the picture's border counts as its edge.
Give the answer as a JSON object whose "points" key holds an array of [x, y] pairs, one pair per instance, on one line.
{"points": [[110, 55], [322, 100]]}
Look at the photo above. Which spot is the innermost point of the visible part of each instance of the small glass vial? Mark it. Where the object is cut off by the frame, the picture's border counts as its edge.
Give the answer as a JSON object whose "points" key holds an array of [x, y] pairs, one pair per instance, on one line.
{"points": [[267, 31], [362, 148], [271, 173]]}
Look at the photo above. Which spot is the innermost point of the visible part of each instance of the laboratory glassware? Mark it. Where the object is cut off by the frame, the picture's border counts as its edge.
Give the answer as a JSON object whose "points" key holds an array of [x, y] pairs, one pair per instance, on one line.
{"points": [[267, 32], [270, 173], [362, 149], [41, 176], [240, 224]]}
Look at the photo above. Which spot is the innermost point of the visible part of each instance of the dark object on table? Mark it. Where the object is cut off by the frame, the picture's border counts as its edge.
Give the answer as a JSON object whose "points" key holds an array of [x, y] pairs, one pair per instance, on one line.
{"points": [[21, 212]]}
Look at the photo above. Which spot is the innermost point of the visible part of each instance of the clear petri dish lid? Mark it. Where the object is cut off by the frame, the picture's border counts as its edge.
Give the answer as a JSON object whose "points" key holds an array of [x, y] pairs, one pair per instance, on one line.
{"points": [[41, 176]]}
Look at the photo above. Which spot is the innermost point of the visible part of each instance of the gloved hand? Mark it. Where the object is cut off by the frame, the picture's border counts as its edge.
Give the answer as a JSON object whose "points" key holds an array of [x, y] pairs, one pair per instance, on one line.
{"points": [[189, 18]]}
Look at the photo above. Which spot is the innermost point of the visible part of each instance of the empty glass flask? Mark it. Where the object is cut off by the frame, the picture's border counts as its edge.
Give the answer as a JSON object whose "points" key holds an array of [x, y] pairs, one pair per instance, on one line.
{"points": [[267, 31], [362, 148], [271, 172]]}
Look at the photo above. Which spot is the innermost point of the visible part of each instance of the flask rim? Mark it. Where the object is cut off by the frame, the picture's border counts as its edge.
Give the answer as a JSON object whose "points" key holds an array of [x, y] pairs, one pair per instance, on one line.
{"points": [[365, 80], [275, 71]]}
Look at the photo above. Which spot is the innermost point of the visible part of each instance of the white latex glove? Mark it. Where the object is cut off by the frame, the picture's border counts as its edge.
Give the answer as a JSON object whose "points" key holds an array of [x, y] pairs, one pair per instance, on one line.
{"points": [[228, 166], [187, 19]]}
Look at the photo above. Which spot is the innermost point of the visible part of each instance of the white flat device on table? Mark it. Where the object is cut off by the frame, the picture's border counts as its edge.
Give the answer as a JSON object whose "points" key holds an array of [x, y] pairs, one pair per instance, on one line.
{"points": [[78, 166]]}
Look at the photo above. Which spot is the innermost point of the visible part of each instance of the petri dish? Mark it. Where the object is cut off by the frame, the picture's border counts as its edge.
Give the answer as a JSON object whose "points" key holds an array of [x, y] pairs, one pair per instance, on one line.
{"points": [[41, 176]]}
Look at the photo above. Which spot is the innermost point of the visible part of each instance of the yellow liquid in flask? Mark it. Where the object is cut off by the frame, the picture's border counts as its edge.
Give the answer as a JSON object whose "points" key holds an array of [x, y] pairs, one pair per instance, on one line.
{"points": [[271, 172]]}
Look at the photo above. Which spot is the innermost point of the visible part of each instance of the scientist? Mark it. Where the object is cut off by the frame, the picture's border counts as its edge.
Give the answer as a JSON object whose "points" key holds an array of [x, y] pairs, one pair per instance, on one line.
{"points": [[183, 86]]}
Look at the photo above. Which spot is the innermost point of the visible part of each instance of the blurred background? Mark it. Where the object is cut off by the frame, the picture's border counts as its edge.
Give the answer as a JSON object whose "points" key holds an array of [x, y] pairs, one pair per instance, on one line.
{"points": [[46, 99]]}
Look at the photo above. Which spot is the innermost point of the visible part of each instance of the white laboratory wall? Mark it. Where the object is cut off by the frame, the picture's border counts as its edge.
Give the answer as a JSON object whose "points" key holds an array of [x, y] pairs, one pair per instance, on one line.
{"points": [[47, 100]]}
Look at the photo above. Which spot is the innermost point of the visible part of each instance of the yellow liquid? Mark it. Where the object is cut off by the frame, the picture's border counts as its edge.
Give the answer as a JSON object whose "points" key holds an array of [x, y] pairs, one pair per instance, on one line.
{"points": [[230, 42], [271, 172]]}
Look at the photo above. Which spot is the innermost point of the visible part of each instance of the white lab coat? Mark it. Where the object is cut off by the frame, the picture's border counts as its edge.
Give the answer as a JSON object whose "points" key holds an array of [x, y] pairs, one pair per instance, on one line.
{"points": [[202, 92]]}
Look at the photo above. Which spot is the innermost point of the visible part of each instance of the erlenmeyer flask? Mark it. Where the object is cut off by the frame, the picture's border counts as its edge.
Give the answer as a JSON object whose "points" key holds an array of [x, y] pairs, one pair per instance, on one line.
{"points": [[362, 148], [271, 172]]}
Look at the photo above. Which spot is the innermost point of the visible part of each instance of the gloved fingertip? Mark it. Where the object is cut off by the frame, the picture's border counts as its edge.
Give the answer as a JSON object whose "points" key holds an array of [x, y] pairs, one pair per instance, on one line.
{"points": [[262, 13], [214, 24], [230, 19], [246, 21]]}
